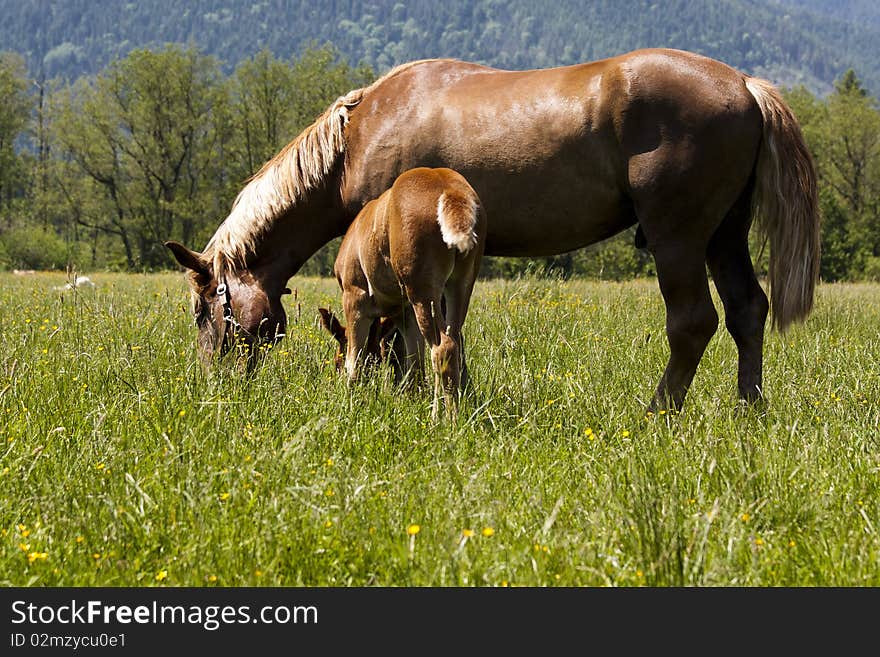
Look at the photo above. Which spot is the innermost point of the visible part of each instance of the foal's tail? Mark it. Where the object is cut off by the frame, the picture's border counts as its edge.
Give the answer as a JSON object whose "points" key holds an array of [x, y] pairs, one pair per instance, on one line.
{"points": [[786, 206], [457, 215]]}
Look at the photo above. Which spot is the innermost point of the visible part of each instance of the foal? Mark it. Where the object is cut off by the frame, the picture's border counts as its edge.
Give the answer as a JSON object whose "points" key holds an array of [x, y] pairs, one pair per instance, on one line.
{"points": [[417, 245]]}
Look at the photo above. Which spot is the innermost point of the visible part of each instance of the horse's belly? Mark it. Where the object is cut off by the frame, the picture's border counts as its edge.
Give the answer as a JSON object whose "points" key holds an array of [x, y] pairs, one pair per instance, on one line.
{"points": [[534, 207], [556, 216]]}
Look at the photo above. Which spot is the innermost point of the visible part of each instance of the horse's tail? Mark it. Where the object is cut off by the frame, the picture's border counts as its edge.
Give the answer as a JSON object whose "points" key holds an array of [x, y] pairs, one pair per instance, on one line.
{"points": [[786, 206], [457, 215]]}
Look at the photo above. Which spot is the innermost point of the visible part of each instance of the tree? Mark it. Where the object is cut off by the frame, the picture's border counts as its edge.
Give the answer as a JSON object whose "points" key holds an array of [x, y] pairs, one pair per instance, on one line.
{"points": [[264, 94], [274, 100], [320, 75], [849, 163], [14, 115], [145, 132], [849, 83], [843, 134]]}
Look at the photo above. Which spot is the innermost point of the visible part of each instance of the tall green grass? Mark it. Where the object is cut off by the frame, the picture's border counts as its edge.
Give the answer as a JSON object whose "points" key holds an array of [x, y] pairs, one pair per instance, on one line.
{"points": [[124, 463]]}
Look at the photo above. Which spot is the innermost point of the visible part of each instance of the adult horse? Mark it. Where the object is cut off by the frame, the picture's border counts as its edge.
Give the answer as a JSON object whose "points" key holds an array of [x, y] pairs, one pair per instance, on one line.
{"points": [[686, 147]]}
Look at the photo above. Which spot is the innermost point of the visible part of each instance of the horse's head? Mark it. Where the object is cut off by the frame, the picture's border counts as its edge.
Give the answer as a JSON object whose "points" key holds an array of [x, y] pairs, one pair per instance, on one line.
{"points": [[233, 311], [378, 344]]}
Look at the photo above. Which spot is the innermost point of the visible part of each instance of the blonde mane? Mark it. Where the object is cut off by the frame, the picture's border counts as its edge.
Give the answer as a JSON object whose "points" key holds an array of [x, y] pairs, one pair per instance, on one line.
{"points": [[295, 170]]}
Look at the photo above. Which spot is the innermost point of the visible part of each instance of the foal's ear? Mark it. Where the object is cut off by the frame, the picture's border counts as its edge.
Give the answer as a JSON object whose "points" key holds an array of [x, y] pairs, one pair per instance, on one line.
{"points": [[192, 260], [332, 325]]}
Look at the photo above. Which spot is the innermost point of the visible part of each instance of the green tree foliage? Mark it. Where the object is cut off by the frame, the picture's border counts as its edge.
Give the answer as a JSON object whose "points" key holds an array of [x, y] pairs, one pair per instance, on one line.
{"points": [[843, 133], [33, 247], [144, 135], [14, 116], [275, 99], [158, 145], [264, 90], [614, 259]]}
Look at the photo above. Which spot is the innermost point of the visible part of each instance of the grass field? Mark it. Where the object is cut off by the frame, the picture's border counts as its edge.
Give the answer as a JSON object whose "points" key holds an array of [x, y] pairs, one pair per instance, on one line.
{"points": [[124, 463]]}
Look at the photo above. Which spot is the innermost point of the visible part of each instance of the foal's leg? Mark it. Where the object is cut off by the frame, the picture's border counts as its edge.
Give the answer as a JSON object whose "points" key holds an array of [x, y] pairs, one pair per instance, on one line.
{"points": [[691, 319], [745, 304], [457, 295], [412, 361], [358, 330], [445, 352]]}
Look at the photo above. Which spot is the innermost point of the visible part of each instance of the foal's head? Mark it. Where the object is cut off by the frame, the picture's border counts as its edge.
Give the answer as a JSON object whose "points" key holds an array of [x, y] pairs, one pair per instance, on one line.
{"points": [[378, 347]]}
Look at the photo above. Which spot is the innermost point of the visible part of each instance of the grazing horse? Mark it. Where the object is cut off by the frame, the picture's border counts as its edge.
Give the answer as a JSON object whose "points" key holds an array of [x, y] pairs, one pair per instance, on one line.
{"points": [[685, 146], [417, 244]]}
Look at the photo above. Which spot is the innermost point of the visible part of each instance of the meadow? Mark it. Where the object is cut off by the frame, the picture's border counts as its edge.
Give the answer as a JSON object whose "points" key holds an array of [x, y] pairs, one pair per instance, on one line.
{"points": [[124, 463]]}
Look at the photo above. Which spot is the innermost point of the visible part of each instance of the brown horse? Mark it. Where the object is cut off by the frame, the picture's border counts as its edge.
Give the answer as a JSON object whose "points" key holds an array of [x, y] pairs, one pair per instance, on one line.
{"points": [[686, 147], [416, 245]]}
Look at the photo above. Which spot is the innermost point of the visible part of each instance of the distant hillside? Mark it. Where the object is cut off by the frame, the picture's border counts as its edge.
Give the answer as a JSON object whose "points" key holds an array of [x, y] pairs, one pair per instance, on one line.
{"points": [[859, 11], [789, 41]]}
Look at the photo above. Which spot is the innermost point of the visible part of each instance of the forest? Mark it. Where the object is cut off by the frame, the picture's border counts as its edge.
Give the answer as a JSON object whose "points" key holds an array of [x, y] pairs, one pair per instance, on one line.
{"points": [[792, 42], [96, 173]]}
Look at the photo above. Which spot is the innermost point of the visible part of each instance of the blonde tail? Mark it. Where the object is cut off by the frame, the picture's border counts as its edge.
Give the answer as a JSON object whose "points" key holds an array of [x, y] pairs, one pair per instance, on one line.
{"points": [[457, 216], [786, 207]]}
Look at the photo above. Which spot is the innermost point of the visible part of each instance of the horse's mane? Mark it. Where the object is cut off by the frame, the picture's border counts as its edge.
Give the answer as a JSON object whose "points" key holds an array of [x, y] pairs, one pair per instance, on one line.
{"points": [[295, 170]]}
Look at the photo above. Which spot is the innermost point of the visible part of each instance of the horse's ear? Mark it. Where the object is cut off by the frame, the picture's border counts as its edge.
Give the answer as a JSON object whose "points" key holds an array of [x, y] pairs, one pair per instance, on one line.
{"points": [[332, 325], [190, 259]]}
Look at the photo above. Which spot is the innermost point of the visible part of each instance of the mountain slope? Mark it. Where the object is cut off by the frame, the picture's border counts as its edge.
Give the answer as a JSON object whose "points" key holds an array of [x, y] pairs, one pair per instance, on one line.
{"points": [[789, 41]]}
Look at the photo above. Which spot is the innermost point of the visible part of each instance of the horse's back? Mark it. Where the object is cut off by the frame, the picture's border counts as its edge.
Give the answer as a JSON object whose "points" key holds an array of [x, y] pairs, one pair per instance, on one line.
{"points": [[556, 143]]}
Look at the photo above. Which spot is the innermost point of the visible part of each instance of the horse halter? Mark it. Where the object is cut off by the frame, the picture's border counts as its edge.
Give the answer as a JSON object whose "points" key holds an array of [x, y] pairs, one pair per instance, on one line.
{"points": [[227, 337]]}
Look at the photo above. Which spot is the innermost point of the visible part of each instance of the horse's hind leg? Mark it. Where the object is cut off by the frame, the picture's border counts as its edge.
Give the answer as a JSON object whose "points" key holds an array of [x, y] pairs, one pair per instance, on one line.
{"points": [[691, 319], [745, 304]]}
